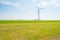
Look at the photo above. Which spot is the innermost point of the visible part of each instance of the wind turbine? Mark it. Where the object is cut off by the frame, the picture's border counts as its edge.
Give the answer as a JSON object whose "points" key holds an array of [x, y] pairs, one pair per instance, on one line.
{"points": [[38, 11]]}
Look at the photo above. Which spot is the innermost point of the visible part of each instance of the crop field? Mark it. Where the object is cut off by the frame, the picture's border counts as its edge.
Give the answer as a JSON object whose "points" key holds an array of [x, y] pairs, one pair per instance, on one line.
{"points": [[29, 30]]}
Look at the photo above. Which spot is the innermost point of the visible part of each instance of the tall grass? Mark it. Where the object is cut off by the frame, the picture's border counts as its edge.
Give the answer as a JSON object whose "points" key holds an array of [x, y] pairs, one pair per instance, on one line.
{"points": [[29, 30]]}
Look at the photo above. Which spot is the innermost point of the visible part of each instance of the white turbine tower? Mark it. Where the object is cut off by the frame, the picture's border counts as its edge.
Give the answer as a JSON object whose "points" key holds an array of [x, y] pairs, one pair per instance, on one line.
{"points": [[38, 11]]}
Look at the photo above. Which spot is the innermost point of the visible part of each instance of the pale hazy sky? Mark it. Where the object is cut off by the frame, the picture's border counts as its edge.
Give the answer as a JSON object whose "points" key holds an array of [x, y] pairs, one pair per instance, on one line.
{"points": [[26, 9]]}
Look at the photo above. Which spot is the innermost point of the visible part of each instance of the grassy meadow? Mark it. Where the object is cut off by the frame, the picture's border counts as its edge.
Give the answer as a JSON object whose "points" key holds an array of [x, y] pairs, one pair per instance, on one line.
{"points": [[29, 30]]}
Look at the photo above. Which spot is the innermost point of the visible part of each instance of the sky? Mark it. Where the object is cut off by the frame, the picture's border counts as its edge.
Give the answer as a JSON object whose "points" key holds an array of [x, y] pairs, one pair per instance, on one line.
{"points": [[27, 9]]}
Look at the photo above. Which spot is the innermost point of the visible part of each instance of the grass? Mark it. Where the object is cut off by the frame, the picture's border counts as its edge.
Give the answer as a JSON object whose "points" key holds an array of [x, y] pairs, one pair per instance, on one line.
{"points": [[29, 30]]}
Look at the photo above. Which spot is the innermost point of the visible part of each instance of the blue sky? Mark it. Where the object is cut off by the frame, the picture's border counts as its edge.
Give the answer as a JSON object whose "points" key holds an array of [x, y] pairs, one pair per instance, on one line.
{"points": [[26, 9]]}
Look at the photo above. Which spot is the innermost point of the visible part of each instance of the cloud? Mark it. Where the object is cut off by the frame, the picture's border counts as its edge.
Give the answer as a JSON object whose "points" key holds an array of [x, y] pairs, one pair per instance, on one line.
{"points": [[40, 3], [7, 2], [54, 2], [33, 0], [44, 3]]}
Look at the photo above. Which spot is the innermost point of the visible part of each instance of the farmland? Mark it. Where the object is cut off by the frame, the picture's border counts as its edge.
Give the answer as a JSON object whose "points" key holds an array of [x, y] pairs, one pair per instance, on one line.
{"points": [[29, 30]]}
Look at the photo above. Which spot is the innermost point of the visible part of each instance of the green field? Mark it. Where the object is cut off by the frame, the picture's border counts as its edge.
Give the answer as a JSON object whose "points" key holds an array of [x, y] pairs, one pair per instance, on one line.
{"points": [[29, 30]]}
